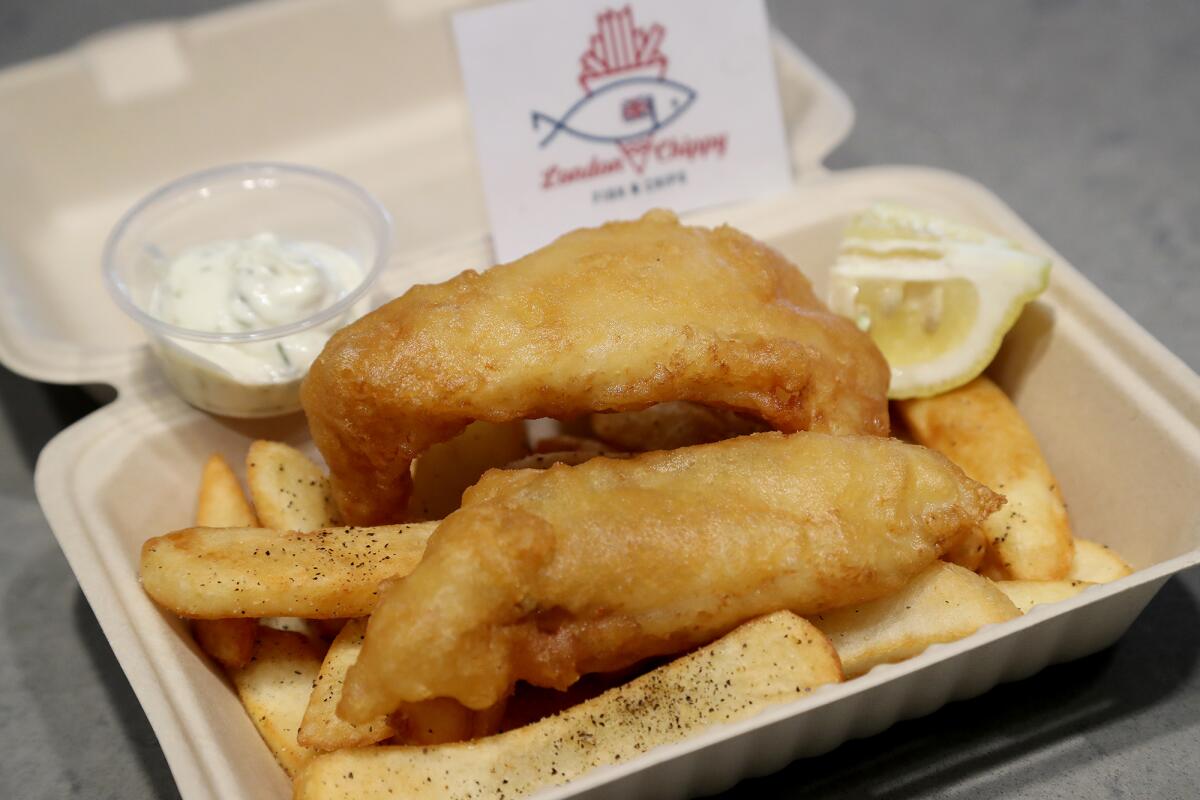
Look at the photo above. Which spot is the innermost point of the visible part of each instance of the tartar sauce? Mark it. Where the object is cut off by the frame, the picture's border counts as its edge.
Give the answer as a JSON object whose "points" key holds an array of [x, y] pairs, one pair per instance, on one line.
{"points": [[241, 286]]}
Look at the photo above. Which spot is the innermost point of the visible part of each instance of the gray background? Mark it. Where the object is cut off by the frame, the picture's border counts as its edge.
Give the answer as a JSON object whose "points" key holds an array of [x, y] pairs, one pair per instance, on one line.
{"points": [[1085, 117]]}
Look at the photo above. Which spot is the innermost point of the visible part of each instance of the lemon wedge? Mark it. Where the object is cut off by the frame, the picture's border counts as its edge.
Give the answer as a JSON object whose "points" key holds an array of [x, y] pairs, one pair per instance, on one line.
{"points": [[936, 296]]}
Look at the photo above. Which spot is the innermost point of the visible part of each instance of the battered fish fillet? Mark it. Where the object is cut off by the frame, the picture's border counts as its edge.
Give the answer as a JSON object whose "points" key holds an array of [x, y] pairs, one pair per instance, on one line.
{"points": [[604, 319], [546, 575]]}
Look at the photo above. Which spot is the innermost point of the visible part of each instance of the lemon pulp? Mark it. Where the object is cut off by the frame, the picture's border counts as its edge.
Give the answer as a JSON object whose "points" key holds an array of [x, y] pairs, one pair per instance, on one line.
{"points": [[920, 320], [936, 296]]}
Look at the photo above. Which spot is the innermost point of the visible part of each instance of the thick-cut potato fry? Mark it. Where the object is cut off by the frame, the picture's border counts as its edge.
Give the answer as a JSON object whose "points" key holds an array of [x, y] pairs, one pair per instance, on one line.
{"points": [[274, 688], [289, 491], [969, 550], [322, 728], [221, 504], [942, 604], [229, 642], [1027, 594], [770, 660], [667, 426], [1096, 563], [213, 573], [445, 470], [977, 427]]}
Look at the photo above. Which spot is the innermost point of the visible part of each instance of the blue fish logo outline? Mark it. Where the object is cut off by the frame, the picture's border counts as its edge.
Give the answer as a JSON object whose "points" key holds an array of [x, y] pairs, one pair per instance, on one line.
{"points": [[681, 99]]}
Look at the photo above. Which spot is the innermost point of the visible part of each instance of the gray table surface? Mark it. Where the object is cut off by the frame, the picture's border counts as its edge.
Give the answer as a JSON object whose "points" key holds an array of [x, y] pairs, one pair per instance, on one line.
{"points": [[1085, 117]]}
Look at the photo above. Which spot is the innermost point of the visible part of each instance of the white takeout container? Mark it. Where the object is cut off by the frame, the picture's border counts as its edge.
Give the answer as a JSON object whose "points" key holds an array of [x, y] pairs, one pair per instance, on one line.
{"points": [[129, 471]]}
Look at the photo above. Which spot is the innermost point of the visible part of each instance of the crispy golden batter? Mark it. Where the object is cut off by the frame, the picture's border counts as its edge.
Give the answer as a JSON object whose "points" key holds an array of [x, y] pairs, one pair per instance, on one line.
{"points": [[604, 319], [545, 575]]}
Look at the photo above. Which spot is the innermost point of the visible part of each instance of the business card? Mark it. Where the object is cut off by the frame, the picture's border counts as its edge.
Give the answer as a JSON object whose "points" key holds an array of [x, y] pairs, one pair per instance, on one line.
{"points": [[586, 111]]}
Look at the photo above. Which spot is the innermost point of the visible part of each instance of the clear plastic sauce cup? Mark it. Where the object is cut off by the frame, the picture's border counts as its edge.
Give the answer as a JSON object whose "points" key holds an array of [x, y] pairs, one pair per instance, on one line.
{"points": [[239, 274]]}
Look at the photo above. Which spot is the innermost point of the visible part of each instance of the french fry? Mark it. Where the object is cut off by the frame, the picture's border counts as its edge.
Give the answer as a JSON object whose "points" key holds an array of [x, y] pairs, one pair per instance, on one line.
{"points": [[977, 427], [445, 470], [969, 550], [221, 504], [214, 573], [274, 687], [944, 603], [1096, 563], [229, 642], [322, 729], [290, 492], [666, 426], [293, 495], [1027, 594], [770, 660]]}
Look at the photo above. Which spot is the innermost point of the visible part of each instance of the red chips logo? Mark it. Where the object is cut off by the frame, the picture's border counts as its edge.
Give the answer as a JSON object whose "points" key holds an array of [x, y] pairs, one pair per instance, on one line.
{"points": [[627, 100]]}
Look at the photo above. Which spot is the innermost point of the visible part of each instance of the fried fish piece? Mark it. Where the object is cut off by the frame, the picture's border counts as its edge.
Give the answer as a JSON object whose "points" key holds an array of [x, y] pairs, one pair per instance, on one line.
{"points": [[546, 575], [613, 318]]}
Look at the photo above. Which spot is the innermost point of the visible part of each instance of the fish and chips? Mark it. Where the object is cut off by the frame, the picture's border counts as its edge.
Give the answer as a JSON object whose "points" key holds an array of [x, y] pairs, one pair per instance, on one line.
{"points": [[454, 611]]}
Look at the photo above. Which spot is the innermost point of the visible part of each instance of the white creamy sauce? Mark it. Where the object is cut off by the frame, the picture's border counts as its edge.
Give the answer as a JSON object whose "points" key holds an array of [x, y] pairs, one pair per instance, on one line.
{"points": [[245, 285]]}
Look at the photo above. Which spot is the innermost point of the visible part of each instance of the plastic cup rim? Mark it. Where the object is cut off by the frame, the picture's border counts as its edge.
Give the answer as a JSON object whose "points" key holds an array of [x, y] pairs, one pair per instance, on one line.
{"points": [[378, 219]]}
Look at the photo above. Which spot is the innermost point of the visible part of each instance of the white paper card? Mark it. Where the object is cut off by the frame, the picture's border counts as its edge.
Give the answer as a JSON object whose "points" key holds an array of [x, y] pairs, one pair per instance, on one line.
{"points": [[590, 110]]}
